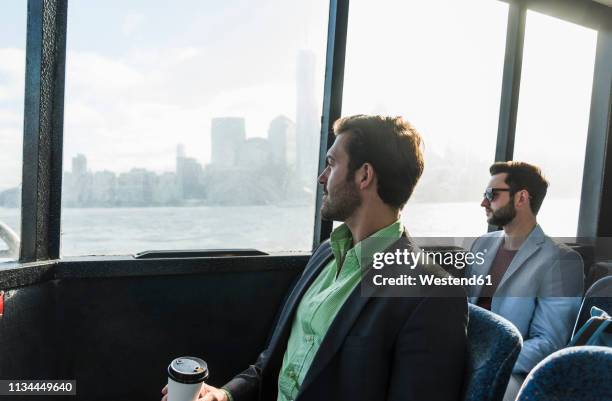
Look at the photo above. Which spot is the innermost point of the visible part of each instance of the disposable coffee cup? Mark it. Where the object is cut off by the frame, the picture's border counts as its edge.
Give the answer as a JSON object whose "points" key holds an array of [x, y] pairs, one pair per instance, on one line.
{"points": [[185, 378]]}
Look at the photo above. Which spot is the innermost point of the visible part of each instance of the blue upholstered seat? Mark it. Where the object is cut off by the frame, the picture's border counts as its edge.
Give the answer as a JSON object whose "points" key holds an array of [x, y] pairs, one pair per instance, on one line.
{"points": [[493, 346], [597, 271], [571, 374], [600, 295]]}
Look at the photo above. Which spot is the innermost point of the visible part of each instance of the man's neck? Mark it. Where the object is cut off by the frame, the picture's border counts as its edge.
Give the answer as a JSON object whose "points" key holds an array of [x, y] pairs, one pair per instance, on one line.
{"points": [[363, 224], [517, 231]]}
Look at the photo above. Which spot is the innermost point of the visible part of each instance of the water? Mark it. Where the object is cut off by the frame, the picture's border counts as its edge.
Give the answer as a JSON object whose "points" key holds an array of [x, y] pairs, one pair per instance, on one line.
{"points": [[120, 231]]}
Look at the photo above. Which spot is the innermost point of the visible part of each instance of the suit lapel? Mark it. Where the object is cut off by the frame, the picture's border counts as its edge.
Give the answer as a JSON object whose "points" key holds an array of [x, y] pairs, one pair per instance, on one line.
{"points": [[313, 268], [336, 334], [529, 247], [344, 321]]}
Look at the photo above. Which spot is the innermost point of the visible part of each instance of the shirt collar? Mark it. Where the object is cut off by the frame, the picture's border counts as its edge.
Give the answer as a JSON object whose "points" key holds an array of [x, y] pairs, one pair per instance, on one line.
{"points": [[341, 241]]}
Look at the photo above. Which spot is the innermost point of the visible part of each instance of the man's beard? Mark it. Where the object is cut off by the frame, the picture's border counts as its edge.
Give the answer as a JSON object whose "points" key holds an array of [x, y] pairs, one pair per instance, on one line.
{"points": [[345, 201], [503, 216]]}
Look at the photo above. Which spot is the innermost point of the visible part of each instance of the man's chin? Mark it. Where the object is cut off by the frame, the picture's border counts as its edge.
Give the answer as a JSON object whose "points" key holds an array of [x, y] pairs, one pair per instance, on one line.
{"points": [[325, 218], [328, 215], [325, 214], [492, 221]]}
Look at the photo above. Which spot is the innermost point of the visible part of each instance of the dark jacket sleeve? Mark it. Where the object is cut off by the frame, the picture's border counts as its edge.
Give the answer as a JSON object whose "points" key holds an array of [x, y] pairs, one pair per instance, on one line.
{"points": [[430, 352], [246, 385]]}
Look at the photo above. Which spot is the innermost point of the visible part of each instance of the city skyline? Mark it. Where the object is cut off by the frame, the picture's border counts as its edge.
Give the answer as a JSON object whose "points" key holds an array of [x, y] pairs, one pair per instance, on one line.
{"points": [[236, 163]]}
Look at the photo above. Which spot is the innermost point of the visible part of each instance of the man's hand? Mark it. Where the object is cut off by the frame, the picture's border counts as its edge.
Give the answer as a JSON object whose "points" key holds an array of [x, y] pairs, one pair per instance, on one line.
{"points": [[207, 393]]}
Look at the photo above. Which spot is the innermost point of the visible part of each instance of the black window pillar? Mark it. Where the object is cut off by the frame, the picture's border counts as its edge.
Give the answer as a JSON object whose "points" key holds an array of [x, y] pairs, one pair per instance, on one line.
{"points": [[43, 129], [332, 99], [596, 200], [511, 82]]}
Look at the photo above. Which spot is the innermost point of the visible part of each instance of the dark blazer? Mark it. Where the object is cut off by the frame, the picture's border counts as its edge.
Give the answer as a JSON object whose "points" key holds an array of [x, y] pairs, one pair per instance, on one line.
{"points": [[377, 348]]}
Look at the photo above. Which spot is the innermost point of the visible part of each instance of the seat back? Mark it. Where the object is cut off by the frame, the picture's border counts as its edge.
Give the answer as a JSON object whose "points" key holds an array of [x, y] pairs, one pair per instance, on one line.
{"points": [[571, 374], [600, 295], [493, 347], [587, 253], [598, 271]]}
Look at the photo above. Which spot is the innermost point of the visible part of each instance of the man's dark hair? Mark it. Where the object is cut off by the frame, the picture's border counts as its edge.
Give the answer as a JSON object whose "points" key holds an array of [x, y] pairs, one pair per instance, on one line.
{"points": [[521, 176], [392, 146]]}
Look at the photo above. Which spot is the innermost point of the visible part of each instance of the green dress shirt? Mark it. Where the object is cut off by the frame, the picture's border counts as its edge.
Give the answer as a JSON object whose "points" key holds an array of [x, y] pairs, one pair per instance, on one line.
{"points": [[323, 300]]}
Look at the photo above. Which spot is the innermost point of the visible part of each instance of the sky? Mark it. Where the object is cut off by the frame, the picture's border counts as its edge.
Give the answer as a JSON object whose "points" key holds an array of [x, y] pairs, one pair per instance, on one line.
{"points": [[443, 72], [144, 76]]}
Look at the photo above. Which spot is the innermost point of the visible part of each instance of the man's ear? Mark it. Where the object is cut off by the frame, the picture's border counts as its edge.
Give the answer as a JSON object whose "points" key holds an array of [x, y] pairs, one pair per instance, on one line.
{"points": [[366, 176], [523, 198]]}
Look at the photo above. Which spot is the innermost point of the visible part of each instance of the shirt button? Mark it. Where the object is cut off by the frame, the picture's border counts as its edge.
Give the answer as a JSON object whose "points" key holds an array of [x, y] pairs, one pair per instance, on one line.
{"points": [[291, 374], [309, 339]]}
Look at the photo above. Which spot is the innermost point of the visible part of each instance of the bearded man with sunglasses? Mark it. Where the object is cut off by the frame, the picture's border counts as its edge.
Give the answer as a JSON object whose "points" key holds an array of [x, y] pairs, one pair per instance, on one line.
{"points": [[537, 283]]}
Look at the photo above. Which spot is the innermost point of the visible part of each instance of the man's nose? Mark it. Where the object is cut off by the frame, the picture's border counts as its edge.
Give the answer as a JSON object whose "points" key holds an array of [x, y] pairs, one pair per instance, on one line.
{"points": [[485, 202], [323, 177]]}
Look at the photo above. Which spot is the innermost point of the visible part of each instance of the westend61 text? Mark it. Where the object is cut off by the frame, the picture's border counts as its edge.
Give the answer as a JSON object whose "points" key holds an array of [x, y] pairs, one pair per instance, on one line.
{"points": [[429, 280], [412, 259]]}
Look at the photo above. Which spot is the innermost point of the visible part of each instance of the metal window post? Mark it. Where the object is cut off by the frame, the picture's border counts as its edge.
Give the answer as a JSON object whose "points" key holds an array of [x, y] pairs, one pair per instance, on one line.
{"points": [[511, 82], [596, 199], [332, 100], [43, 129]]}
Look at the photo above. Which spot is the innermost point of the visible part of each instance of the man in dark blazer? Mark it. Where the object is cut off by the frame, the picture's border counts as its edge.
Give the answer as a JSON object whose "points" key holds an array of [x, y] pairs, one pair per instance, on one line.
{"points": [[336, 340]]}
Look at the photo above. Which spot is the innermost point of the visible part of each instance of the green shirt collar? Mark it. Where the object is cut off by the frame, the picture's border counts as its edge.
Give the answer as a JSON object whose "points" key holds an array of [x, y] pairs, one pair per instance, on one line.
{"points": [[341, 241]]}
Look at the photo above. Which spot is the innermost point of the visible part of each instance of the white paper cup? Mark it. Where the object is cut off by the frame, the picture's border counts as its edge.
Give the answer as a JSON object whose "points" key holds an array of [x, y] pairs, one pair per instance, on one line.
{"points": [[185, 378]]}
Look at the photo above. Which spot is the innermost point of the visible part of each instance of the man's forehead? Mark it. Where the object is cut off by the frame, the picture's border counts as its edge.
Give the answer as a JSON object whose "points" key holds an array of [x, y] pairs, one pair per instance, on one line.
{"points": [[338, 148]]}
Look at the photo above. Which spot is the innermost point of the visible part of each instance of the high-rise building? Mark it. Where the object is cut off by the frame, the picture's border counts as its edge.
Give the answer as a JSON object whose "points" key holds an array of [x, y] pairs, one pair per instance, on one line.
{"points": [[255, 153], [189, 175], [103, 188], [227, 136], [166, 190], [307, 120], [77, 183], [135, 188], [79, 165], [180, 150], [281, 136]]}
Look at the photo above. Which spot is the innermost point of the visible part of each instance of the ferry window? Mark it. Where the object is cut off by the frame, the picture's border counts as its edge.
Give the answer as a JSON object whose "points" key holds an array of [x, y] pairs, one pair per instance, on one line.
{"points": [[13, 16], [553, 113], [192, 127], [439, 65]]}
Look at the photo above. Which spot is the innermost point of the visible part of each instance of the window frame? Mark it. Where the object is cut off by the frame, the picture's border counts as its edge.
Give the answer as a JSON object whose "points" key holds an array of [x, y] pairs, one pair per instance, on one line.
{"points": [[43, 130], [44, 112], [595, 214]]}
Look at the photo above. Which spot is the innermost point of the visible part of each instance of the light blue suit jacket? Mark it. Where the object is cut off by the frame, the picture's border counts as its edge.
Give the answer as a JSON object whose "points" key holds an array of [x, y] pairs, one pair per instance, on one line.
{"points": [[540, 293]]}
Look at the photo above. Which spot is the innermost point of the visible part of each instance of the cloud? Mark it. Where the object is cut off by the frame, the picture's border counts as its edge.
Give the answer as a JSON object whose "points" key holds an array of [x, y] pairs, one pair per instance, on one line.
{"points": [[90, 74], [11, 118], [12, 75], [128, 103], [10, 163], [129, 112], [132, 23], [12, 78]]}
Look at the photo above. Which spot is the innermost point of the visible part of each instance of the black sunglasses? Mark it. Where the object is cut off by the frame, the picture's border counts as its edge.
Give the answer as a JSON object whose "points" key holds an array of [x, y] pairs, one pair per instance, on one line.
{"points": [[490, 193]]}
